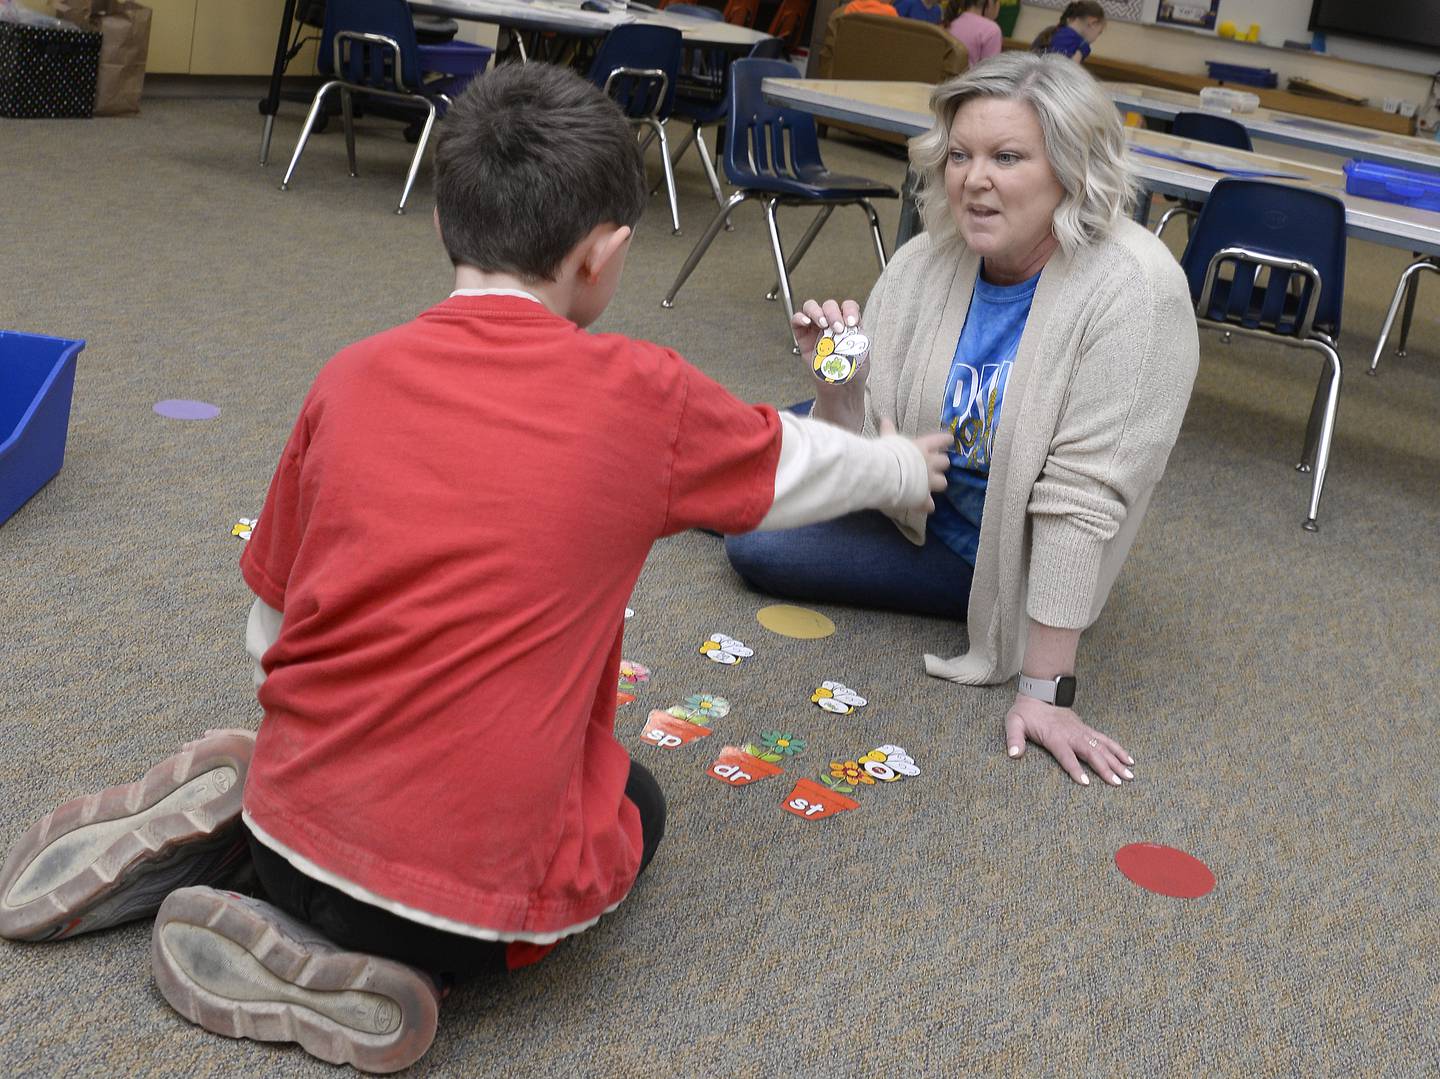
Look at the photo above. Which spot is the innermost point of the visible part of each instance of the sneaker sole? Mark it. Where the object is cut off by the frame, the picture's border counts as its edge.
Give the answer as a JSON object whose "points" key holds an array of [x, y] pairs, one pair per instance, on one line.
{"points": [[225, 966], [112, 857]]}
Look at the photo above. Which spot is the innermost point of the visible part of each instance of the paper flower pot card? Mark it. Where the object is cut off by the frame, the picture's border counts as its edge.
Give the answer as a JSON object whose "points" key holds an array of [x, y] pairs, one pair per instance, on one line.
{"points": [[665, 731], [810, 801], [735, 767]]}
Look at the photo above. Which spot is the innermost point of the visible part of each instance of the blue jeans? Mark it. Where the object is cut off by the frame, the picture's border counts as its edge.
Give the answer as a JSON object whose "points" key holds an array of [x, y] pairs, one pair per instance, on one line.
{"points": [[862, 560]]}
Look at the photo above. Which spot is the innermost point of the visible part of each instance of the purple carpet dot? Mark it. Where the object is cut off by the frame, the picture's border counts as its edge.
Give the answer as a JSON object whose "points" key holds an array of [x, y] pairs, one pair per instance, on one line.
{"points": [[187, 410]]}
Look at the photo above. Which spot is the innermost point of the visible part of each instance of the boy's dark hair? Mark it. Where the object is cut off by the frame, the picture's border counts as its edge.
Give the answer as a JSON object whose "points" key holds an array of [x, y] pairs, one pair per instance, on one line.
{"points": [[530, 158]]}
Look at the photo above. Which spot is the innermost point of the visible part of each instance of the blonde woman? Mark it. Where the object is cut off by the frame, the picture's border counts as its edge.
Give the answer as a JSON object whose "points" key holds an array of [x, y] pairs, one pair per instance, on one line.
{"points": [[1055, 338]]}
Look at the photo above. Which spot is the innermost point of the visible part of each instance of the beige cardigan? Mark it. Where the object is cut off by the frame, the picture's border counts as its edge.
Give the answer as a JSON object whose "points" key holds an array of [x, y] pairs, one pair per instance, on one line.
{"points": [[1092, 408]]}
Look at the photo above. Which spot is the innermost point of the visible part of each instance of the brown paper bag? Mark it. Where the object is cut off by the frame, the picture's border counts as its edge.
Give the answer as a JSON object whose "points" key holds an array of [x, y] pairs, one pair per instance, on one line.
{"points": [[124, 45], [74, 11]]}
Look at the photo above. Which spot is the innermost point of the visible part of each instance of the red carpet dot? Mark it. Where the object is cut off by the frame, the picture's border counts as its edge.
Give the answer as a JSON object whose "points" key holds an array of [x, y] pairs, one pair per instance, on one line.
{"points": [[1165, 870]]}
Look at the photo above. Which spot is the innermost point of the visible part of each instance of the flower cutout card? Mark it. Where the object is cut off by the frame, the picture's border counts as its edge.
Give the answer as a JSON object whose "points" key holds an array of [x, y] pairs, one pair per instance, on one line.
{"points": [[664, 731], [725, 650], [838, 355], [243, 527], [700, 708], [632, 677], [738, 766], [838, 698]]}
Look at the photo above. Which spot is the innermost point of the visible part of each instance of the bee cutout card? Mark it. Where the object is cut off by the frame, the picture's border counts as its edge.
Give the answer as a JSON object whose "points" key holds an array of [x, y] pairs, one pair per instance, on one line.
{"points": [[838, 354]]}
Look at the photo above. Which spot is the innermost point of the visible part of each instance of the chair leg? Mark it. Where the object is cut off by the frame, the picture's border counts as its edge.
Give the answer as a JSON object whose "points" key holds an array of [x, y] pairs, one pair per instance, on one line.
{"points": [[347, 110], [419, 153], [265, 134], [659, 128], [802, 247], [310, 119], [1404, 288], [1321, 429], [716, 223], [774, 226], [708, 163], [1409, 314], [674, 160], [870, 213]]}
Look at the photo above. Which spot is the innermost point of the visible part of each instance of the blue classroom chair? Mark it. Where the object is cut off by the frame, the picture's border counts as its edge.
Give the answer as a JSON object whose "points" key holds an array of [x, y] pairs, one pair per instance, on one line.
{"points": [[638, 66], [1203, 127], [773, 156], [369, 47], [1284, 250], [701, 108]]}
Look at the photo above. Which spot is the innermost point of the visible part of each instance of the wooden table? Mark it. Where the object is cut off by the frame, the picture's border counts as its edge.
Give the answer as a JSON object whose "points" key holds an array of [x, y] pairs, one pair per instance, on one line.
{"points": [[1326, 136]]}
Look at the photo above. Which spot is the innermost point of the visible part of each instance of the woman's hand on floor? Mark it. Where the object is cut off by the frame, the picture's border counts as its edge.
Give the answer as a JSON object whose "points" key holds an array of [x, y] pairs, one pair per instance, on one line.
{"points": [[1068, 738]]}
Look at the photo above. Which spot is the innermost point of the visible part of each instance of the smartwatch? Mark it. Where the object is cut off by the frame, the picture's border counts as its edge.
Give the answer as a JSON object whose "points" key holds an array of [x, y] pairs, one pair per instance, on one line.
{"points": [[1059, 691]]}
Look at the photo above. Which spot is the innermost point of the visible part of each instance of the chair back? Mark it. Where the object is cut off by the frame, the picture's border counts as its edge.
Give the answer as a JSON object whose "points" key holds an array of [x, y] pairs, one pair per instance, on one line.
{"points": [[1205, 127], [638, 65], [696, 11], [789, 20], [860, 45], [742, 12], [358, 27], [1295, 235], [766, 147]]}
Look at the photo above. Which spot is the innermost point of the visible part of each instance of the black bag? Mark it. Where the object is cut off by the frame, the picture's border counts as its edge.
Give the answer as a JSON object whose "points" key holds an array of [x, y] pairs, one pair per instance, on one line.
{"points": [[45, 73]]}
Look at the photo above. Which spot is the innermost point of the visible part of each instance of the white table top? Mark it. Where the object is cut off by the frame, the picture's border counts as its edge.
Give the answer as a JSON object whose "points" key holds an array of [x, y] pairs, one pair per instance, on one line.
{"points": [[1327, 136], [567, 17], [903, 107]]}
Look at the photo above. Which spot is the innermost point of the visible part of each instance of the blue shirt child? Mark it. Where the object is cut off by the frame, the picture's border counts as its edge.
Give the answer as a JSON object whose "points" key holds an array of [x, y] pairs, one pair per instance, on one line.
{"points": [[916, 9], [974, 393], [1067, 42]]}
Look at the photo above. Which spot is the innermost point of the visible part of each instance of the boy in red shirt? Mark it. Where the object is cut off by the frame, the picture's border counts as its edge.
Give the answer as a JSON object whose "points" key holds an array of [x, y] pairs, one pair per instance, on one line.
{"points": [[441, 569]]}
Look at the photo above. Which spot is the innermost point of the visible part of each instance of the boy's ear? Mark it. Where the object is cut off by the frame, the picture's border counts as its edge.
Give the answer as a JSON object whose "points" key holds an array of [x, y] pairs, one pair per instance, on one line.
{"points": [[436, 217], [604, 248]]}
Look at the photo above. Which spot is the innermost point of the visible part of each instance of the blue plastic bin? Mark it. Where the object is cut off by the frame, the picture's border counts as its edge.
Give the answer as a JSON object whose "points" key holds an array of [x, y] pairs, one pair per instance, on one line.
{"points": [[37, 380], [1243, 74], [1389, 183]]}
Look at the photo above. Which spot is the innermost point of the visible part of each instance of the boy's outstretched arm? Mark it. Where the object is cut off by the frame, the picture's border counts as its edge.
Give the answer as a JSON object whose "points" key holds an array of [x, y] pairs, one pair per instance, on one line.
{"points": [[827, 472]]}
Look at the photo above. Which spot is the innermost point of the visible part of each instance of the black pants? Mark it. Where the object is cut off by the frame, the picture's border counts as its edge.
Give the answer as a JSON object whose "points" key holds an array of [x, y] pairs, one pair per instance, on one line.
{"points": [[362, 927]]}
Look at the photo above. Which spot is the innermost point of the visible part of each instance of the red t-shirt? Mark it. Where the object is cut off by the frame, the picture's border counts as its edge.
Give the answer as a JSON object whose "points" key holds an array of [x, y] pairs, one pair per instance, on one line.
{"points": [[452, 533]]}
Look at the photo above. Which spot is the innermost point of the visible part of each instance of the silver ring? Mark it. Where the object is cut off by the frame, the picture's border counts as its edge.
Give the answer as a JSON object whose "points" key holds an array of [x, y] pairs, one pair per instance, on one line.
{"points": [[1094, 744]]}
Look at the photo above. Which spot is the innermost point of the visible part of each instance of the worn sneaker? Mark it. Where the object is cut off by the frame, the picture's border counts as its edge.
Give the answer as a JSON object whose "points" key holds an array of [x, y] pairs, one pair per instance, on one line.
{"points": [[112, 857], [242, 968]]}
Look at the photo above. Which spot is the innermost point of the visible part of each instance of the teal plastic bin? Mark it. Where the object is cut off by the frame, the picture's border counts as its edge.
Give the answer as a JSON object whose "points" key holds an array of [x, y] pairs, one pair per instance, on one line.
{"points": [[37, 380]]}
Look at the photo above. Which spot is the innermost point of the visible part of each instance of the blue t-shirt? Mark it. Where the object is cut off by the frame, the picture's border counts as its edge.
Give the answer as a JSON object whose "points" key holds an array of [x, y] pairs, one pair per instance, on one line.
{"points": [[974, 393], [916, 9], [1068, 42]]}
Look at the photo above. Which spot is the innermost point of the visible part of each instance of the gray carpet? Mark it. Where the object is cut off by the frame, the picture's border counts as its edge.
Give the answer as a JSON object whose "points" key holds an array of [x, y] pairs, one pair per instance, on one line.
{"points": [[1276, 688]]}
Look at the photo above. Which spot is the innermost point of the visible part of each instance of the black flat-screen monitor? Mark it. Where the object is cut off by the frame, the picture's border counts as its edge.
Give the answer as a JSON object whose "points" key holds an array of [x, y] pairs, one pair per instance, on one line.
{"points": [[1412, 23]]}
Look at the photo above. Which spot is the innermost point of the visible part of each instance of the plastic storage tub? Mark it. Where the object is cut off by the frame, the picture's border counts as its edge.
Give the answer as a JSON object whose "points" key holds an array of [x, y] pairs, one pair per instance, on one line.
{"points": [[1391, 184], [1248, 76], [37, 379]]}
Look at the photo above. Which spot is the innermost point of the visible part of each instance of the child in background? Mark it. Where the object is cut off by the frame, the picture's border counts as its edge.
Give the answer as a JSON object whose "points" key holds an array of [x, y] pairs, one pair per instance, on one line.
{"points": [[972, 23], [441, 570], [921, 10], [1080, 24]]}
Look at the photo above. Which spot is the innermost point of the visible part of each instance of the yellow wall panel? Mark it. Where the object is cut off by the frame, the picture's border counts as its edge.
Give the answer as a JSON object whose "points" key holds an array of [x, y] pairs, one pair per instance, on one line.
{"points": [[171, 27], [239, 38]]}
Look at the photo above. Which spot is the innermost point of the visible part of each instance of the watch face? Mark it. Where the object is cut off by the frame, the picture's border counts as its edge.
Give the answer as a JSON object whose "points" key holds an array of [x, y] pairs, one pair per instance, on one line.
{"points": [[1065, 690]]}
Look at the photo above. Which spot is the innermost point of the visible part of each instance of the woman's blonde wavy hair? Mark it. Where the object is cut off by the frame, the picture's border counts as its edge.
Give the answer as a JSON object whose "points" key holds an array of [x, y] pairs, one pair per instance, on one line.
{"points": [[1084, 141]]}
